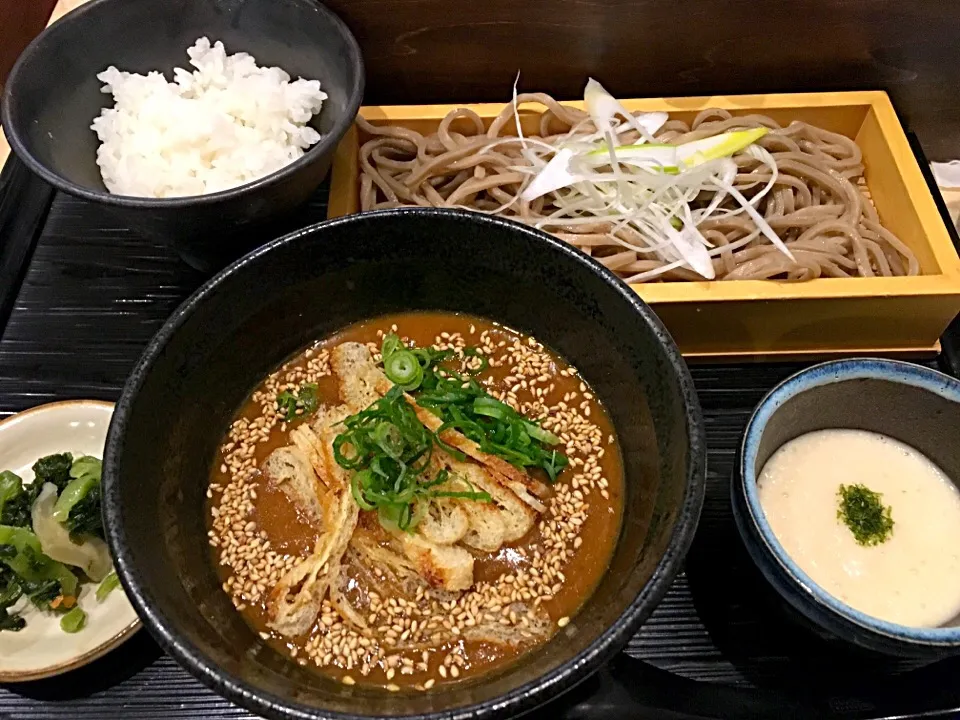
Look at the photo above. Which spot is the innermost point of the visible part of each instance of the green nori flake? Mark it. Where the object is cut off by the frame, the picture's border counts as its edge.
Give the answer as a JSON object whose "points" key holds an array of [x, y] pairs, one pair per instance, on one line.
{"points": [[862, 511]]}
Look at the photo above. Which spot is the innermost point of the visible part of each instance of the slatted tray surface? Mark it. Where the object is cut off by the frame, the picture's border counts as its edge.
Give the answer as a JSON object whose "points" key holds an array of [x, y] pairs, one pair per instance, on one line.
{"points": [[95, 293]]}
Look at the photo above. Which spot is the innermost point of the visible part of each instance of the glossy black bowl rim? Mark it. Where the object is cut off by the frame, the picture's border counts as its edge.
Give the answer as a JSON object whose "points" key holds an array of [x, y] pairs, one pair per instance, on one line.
{"points": [[759, 534], [327, 142], [521, 699]]}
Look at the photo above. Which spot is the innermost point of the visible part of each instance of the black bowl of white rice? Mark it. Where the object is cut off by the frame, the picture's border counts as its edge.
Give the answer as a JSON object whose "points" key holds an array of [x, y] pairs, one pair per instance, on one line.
{"points": [[195, 121]]}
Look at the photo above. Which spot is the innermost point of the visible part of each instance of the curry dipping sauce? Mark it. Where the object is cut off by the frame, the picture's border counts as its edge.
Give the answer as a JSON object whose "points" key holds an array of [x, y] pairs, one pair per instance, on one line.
{"points": [[489, 559]]}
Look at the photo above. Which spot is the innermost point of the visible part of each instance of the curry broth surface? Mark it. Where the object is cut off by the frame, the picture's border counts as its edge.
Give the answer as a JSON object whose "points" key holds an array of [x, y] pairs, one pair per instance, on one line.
{"points": [[256, 533]]}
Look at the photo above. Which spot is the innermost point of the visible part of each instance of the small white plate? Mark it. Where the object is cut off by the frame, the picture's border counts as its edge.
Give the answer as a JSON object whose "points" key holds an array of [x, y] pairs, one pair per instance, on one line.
{"points": [[42, 649]]}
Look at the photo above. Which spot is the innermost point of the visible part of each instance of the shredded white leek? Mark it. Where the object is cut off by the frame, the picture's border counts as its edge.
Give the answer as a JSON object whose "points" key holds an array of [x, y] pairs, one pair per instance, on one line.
{"points": [[648, 190]]}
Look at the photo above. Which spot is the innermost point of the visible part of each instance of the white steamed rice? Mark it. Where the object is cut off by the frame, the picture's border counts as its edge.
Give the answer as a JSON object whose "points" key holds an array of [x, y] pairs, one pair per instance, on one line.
{"points": [[225, 124]]}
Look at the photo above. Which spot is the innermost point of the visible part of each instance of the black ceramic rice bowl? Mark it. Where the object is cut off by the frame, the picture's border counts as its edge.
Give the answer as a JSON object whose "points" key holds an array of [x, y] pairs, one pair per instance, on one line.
{"points": [[53, 95], [219, 344]]}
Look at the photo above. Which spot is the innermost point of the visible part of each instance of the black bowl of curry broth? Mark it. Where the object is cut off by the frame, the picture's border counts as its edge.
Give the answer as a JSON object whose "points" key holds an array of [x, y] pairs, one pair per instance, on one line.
{"points": [[228, 506]]}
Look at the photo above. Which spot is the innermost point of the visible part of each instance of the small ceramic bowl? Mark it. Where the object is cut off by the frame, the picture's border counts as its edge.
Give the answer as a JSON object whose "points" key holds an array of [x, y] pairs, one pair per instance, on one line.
{"points": [[910, 403], [42, 649]]}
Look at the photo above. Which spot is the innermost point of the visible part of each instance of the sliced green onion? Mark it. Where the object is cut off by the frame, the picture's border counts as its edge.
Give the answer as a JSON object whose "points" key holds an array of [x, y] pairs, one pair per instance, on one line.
{"points": [[493, 412], [404, 369], [718, 146], [420, 510], [556, 463], [388, 516], [74, 620], [491, 407], [479, 495], [437, 398], [357, 483], [351, 462], [429, 357], [388, 438], [391, 343], [390, 450], [440, 479], [538, 433], [401, 516], [465, 405]]}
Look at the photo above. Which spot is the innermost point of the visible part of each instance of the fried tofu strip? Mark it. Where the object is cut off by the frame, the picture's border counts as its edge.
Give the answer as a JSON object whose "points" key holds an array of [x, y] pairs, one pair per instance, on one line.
{"points": [[295, 601], [445, 522], [289, 469], [492, 524], [444, 566]]}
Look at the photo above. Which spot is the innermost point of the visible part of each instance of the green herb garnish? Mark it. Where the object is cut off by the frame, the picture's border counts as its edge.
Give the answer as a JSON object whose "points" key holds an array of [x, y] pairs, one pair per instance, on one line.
{"points": [[390, 450], [304, 402], [862, 511], [403, 368], [464, 405]]}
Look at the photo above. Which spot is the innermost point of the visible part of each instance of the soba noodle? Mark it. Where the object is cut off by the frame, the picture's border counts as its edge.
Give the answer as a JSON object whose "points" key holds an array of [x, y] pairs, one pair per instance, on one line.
{"points": [[817, 205]]}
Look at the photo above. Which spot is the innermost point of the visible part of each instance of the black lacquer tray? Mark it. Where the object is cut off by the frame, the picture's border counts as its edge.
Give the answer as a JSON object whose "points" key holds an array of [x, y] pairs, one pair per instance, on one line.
{"points": [[80, 298]]}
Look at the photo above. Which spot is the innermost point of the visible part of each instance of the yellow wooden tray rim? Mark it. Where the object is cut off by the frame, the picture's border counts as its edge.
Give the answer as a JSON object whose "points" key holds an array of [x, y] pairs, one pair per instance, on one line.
{"points": [[773, 101], [838, 288]]}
